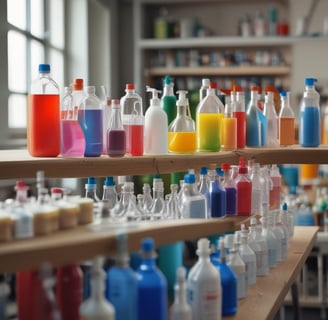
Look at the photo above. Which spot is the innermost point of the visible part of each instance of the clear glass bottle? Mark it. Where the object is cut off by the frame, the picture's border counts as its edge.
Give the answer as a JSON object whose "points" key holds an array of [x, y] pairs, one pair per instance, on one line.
{"points": [[157, 210], [253, 123], [231, 190], [286, 122], [256, 189], [78, 93], [203, 186], [107, 108], [172, 206], [116, 136], [269, 111], [91, 193], [146, 190]]}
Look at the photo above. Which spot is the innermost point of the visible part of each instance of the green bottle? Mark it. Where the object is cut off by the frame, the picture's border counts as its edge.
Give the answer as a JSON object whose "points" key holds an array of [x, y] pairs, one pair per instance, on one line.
{"points": [[168, 101]]}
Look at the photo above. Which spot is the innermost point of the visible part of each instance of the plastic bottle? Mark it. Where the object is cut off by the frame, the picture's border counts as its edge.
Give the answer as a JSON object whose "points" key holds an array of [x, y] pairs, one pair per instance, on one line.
{"points": [[91, 121], [231, 190], [78, 93], [91, 193], [148, 200], [228, 282], [229, 125], [275, 191], [203, 89], [244, 190], [157, 208], [266, 185], [256, 189], [218, 197], [180, 309], [69, 291], [280, 234], [152, 285], [270, 113], [208, 121], [240, 114], [193, 203], [43, 116], [181, 131], [169, 100], [107, 108], [109, 192], [204, 286], [286, 122], [156, 128], [203, 186], [121, 284], [309, 125], [248, 256], [116, 135], [132, 118], [288, 220], [253, 123], [96, 307], [4, 293], [72, 141]]}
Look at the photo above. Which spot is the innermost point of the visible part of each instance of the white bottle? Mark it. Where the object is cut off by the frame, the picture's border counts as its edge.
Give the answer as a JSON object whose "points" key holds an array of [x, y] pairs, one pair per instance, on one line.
{"points": [[204, 286], [97, 307], [256, 189], [281, 236], [180, 309], [156, 129], [248, 256], [288, 220], [203, 89], [238, 266]]}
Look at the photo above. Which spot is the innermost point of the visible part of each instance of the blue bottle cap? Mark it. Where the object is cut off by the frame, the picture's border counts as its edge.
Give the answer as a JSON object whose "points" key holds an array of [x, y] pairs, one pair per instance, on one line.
{"points": [[167, 80], [157, 176], [284, 206], [219, 172], [310, 81], [109, 181], [44, 68], [283, 94], [147, 245], [189, 178], [203, 170], [92, 181]]}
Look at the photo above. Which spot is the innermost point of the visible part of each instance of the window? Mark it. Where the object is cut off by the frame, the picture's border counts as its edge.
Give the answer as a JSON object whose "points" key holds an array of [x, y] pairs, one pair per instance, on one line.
{"points": [[35, 34]]}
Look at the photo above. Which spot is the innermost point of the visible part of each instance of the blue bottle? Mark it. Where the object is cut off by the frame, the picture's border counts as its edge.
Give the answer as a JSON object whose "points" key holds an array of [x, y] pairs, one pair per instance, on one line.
{"points": [[228, 282], [218, 197], [263, 121], [91, 121], [152, 286], [122, 285], [253, 123], [310, 125]]}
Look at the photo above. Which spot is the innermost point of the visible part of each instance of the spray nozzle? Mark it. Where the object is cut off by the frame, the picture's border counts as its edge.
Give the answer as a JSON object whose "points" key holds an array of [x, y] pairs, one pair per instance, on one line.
{"points": [[182, 98], [310, 81], [154, 99]]}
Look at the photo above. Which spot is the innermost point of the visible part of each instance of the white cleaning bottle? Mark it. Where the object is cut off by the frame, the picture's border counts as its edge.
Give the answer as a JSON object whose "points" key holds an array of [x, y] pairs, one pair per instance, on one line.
{"points": [[156, 128]]}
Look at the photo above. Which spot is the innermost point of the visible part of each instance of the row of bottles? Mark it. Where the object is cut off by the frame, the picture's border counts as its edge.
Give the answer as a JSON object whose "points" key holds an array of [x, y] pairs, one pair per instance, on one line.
{"points": [[82, 125]]}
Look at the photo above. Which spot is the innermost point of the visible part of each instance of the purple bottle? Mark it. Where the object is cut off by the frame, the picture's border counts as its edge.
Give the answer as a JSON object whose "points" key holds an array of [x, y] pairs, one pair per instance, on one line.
{"points": [[231, 190]]}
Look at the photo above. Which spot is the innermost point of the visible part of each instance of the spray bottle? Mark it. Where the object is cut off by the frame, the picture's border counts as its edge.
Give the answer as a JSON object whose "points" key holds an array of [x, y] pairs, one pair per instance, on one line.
{"points": [[168, 100]]}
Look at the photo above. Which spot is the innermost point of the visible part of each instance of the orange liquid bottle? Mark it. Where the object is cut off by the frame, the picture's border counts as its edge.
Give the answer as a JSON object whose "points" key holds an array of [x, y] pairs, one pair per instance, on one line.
{"points": [[286, 122]]}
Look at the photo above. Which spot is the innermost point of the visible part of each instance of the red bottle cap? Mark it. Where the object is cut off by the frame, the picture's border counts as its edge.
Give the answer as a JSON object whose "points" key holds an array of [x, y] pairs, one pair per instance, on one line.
{"points": [[225, 166], [129, 86], [213, 85], [77, 84]]}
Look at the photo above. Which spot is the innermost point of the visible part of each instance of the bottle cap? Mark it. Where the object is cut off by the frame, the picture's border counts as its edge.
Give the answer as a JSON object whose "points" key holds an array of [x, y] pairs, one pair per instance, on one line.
{"points": [[310, 81], [21, 185], [167, 80], [92, 180], [225, 166], [56, 190], [77, 84], [203, 170], [203, 246], [189, 178], [109, 181], [147, 245], [213, 85], [206, 82], [44, 68], [219, 172], [130, 86], [285, 206]]}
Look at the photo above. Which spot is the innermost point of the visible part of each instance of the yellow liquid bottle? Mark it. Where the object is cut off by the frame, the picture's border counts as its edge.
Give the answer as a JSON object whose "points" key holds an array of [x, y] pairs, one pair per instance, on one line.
{"points": [[229, 125]]}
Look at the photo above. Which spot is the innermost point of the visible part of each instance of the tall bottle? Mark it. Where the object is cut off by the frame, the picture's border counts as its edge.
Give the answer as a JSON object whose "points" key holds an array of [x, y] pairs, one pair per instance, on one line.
{"points": [[121, 284], [182, 131], [152, 285], [310, 123], [116, 135], [109, 192], [78, 93], [218, 197], [91, 121], [203, 89], [286, 122], [157, 208], [253, 123], [156, 127], [43, 115], [169, 100], [203, 186], [208, 121], [231, 190], [204, 286], [72, 141], [229, 125], [270, 113], [107, 108], [133, 120], [256, 189], [180, 309], [96, 307], [240, 114], [275, 191]]}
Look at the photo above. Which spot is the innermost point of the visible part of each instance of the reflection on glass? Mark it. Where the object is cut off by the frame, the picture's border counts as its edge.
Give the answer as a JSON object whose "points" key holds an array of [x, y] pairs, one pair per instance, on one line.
{"points": [[57, 23], [37, 57], [17, 111], [16, 61], [16, 13], [37, 16]]}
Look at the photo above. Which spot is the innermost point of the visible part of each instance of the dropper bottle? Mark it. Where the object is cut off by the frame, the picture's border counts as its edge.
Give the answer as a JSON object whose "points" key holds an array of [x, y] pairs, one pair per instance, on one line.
{"points": [[182, 132], [168, 100]]}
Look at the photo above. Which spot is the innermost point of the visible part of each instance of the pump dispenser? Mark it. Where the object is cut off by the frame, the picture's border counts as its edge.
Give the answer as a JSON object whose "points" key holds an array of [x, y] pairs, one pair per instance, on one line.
{"points": [[310, 126], [168, 100], [286, 122], [156, 129], [270, 113], [182, 132]]}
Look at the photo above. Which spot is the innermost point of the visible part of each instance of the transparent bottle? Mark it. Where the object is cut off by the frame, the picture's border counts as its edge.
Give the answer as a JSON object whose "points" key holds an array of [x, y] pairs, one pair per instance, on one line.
{"points": [[157, 209], [78, 93], [269, 111], [182, 132], [91, 122], [203, 89], [107, 108], [172, 206], [43, 115], [209, 113], [240, 114], [116, 136], [288, 220], [91, 193], [256, 189], [169, 100], [72, 141], [253, 123], [203, 186], [286, 122], [231, 190], [229, 124], [148, 200], [109, 192], [279, 232]]}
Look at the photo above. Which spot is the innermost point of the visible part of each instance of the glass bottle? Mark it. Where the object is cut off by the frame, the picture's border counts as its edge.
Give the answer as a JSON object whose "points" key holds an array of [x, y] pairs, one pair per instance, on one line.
{"points": [[148, 200], [91, 122], [231, 190], [256, 189], [157, 209], [203, 186], [109, 192], [218, 200], [78, 93], [169, 100], [116, 136], [270, 113], [253, 123], [279, 232], [72, 141], [43, 115], [172, 207], [182, 132], [229, 124], [240, 114], [310, 122], [107, 108], [275, 191], [208, 121], [286, 122], [91, 193]]}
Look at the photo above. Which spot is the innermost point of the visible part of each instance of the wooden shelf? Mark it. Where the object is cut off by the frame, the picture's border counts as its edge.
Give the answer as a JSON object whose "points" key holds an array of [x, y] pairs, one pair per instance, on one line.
{"points": [[85, 242], [220, 71], [267, 295], [19, 164]]}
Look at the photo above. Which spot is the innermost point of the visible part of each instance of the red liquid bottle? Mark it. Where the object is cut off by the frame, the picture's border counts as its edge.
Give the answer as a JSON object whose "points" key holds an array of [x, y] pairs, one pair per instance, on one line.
{"points": [[240, 114], [69, 291], [43, 115]]}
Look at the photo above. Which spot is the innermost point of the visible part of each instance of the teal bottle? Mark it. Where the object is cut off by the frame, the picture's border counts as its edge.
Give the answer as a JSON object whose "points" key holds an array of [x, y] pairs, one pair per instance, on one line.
{"points": [[169, 100], [253, 123]]}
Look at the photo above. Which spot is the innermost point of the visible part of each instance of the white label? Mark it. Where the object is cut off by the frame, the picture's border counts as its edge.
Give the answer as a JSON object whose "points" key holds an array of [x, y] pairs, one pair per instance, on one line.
{"points": [[23, 226]]}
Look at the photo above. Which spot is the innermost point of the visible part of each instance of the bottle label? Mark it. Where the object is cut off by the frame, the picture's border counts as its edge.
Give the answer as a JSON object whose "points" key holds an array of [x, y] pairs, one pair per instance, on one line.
{"points": [[24, 227]]}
